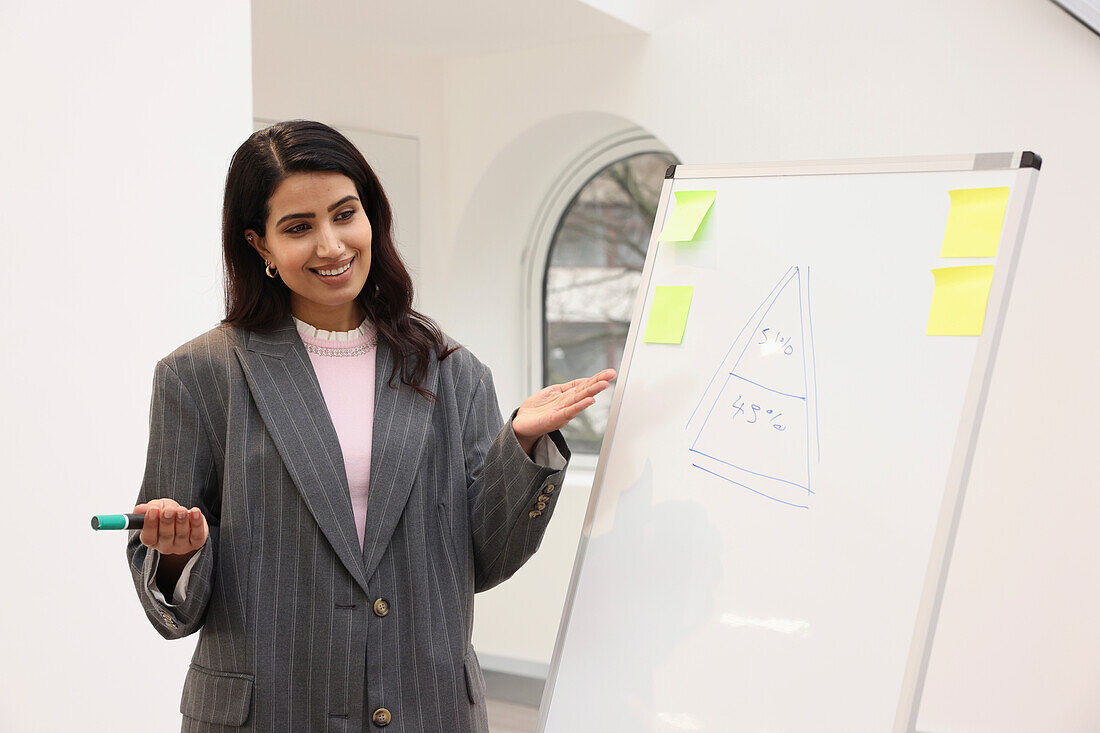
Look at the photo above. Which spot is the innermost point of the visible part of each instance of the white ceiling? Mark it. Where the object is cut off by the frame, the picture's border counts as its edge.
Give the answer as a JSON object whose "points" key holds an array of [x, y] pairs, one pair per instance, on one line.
{"points": [[437, 28]]}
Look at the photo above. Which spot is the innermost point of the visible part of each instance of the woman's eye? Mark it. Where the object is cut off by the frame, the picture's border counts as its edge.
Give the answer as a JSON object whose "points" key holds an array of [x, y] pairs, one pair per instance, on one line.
{"points": [[342, 216]]}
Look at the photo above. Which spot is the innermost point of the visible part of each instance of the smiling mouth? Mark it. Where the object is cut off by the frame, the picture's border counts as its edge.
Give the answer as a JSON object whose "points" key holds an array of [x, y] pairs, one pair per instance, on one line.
{"points": [[334, 272]]}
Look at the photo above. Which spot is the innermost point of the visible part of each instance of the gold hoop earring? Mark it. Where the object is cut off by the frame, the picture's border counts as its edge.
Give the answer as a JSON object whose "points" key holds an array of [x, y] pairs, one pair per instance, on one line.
{"points": [[267, 269]]}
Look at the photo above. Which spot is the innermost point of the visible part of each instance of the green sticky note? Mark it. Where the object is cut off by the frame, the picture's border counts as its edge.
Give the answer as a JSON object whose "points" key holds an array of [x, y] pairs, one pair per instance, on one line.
{"points": [[669, 314], [958, 302], [974, 222], [691, 208]]}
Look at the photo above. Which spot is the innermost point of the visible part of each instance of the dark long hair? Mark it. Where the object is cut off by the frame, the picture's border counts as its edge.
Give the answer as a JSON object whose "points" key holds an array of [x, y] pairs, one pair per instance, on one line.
{"points": [[257, 302]]}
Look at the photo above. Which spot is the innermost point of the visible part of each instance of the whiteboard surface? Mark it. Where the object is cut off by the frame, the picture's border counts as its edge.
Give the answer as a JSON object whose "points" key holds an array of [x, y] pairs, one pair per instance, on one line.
{"points": [[767, 576]]}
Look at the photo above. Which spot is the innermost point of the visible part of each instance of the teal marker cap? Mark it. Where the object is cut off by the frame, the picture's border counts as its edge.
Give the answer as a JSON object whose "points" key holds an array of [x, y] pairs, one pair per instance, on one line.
{"points": [[109, 521]]}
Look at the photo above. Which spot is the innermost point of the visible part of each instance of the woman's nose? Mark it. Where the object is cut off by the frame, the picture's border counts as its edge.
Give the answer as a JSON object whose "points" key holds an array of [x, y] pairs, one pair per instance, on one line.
{"points": [[328, 244]]}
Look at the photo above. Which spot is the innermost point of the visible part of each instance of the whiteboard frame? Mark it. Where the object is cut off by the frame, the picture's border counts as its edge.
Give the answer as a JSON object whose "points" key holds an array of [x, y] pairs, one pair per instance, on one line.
{"points": [[977, 392]]}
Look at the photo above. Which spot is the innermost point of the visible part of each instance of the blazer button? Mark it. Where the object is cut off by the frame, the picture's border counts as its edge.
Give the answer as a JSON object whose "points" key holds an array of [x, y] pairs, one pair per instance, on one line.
{"points": [[168, 619], [381, 717], [381, 607], [534, 513], [544, 497], [549, 488], [541, 505]]}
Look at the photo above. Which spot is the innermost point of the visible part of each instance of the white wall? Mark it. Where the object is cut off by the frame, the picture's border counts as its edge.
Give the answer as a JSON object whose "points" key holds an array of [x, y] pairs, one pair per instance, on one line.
{"points": [[727, 82], [119, 121]]}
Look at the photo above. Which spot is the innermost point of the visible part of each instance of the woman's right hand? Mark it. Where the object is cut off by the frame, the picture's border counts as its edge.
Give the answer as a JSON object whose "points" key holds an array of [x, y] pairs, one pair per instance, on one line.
{"points": [[172, 529]]}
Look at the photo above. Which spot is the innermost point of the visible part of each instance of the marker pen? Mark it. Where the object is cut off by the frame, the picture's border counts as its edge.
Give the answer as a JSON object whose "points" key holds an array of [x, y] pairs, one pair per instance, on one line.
{"points": [[118, 521]]}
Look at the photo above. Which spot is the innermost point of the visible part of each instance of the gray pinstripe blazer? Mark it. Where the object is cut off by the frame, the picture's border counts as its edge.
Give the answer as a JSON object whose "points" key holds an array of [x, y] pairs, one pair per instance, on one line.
{"points": [[290, 632]]}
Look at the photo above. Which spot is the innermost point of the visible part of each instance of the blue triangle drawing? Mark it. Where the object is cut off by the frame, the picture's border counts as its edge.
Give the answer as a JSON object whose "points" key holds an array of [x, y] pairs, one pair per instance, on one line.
{"points": [[753, 426]]}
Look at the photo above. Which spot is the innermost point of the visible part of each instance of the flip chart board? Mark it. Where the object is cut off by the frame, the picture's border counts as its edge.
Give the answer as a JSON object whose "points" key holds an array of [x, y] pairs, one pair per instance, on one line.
{"points": [[778, 489]]}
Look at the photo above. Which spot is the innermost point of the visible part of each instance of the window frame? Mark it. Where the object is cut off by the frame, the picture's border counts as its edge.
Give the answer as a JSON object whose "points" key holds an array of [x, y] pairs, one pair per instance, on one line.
{"points": [[565, 189]]}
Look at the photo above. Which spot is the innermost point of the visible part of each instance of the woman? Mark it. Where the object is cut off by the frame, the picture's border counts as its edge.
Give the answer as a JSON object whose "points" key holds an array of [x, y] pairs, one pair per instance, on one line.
{"points": [[328, 479]]}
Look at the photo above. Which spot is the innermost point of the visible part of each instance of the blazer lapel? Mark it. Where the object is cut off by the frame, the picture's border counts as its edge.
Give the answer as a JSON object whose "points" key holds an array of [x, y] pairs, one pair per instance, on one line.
{"points": [[401, 420], [288, 395]]}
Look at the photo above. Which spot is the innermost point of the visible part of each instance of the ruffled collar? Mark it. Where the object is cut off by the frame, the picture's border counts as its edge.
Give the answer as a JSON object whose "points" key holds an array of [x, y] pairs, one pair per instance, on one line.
{"points": [[305, 329], [337, 343]]}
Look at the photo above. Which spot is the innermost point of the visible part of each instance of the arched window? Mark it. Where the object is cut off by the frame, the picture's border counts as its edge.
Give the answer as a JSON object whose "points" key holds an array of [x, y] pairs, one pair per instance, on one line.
{"points": [[593, 267]]}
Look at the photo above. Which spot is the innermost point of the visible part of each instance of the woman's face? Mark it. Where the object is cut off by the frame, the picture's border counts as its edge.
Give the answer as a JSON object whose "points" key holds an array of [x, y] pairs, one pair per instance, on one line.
{"points": [[317, 225]]}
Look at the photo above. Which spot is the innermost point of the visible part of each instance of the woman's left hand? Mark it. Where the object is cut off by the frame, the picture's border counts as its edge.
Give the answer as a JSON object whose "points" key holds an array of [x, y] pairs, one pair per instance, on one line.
{"points": [[552, 407]]}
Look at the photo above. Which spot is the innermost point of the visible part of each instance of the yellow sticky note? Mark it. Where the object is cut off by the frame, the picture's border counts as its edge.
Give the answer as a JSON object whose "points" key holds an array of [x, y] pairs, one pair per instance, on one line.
{"points": [[974, 222], [691, 208], [958, 302], [669, 314]]}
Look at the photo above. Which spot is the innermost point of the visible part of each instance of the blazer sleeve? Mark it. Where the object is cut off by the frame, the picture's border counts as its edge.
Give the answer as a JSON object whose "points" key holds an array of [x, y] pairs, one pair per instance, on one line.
{"points": [[179, 465], [510, 497]]}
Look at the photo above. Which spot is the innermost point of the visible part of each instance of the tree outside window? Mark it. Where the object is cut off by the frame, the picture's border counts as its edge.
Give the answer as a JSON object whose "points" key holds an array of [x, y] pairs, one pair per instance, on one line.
{"points": [[593, 272]]}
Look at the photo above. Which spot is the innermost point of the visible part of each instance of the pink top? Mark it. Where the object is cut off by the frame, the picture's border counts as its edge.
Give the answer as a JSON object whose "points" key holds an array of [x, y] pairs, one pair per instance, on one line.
{"points": [[344, 363]]}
